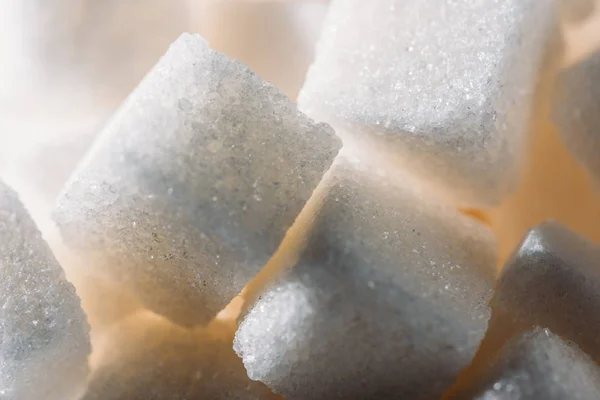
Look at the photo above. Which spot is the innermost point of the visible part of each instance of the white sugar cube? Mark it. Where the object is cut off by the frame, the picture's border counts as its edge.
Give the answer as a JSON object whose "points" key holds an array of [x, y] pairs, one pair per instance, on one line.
{"points": [[193, 184], [443, 87], [44, 333], [552, 281], [537, 365], [146, 357], [387, 300], [576, 111]]}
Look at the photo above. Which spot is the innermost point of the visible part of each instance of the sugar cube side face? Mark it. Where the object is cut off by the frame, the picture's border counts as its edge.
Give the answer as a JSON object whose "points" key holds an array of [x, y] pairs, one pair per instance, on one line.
{"points": [[443, 87], [537, 365], [388, 299], [576, 111], [44, 331], [194, 182], [145, 357], [552, 281]]}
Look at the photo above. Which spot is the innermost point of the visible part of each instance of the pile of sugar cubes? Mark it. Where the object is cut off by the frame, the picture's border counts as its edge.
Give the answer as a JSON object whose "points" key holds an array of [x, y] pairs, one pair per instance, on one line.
{"points": [[213, 239]]}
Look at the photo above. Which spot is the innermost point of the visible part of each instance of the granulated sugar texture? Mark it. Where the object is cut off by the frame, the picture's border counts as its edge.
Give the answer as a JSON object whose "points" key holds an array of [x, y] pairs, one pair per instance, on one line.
{"points": [[192, 186], [44, 332]]}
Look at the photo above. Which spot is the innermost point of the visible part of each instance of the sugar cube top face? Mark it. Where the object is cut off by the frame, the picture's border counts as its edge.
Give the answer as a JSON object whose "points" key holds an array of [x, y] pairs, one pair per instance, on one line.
{"points": [[194, 182], [445, 86], [388, 300], [576, 111], [553, 281], [148, 358], [538, 365], [45, 335]]}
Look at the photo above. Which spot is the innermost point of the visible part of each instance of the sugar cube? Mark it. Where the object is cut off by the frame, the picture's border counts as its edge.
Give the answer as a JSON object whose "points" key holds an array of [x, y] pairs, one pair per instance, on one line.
{"points": [[552, 281], [146, 357], [194, 182], [387, 300], [44, 333], [576, 108], [537, 365], [443, 87]]}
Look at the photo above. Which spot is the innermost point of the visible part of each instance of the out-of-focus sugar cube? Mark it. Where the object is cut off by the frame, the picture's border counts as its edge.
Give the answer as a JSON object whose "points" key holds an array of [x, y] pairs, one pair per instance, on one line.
{"points": [[552, 281], [444, 87], [194, 182], [44, 333], [387, 300], [537, 365], [146, 357], [577, 10], [576, 111]]}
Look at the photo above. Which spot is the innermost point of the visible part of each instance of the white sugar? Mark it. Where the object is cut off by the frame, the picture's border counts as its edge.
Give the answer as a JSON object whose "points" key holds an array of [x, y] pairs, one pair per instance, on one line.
{"points": [[193, 184], [552, 281], [444, 87], [45, 335], [388, 300]]}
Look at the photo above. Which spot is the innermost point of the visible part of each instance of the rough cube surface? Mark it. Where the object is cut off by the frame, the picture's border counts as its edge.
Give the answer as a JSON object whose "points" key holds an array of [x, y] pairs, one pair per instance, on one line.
{"points": [[44, 333], [148, 358], [553, 281], [194, 182], [576, 111], [388, 300], [537, 365], [445, 86]]}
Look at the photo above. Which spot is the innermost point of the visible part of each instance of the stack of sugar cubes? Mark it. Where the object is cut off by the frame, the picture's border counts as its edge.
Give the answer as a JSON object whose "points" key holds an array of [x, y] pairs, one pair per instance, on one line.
{"points": [[257, 248]]}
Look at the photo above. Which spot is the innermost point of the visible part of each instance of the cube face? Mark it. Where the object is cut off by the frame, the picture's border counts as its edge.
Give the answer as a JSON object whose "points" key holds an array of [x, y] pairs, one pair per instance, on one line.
{"points": [[553, 281], [45, 335], [145, 357], [389, 298], [576, 111], [444, 86], [194, 183], [537, 365]]}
